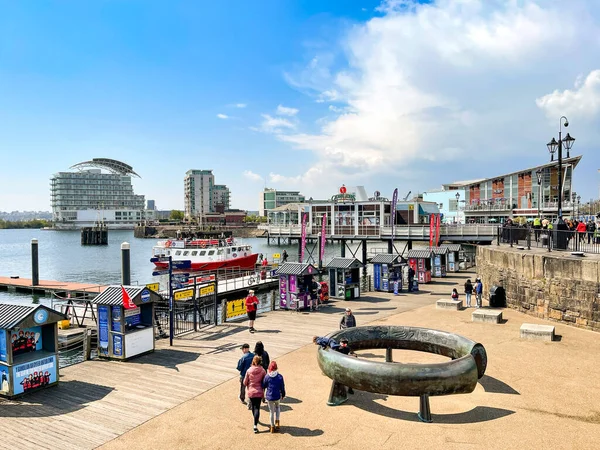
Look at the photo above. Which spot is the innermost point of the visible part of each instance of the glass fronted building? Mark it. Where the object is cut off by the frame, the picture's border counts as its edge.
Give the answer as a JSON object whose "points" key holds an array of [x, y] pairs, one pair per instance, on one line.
{"points": [[272, 198], [202, 195], [80, 199]]}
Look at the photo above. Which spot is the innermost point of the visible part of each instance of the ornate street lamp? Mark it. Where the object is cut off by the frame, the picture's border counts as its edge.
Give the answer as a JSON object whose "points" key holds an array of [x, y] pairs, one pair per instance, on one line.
{"points": [[553, 147]]}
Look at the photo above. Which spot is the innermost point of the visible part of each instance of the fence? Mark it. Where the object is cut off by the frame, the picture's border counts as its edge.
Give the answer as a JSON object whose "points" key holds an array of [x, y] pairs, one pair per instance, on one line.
{"points": [[552, 240]]}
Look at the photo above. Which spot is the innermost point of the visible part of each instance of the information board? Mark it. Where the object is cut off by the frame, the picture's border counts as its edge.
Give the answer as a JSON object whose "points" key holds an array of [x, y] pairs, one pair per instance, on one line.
{"points": [[3, 354], [34, 374], [116, 319], [103, 327]]}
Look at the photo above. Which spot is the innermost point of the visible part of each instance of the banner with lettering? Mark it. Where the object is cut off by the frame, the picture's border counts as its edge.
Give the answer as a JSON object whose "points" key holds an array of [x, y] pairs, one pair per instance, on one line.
{"points": [[431, 229], [437, 230], [34, 374], [303, 236], [393, 210]]}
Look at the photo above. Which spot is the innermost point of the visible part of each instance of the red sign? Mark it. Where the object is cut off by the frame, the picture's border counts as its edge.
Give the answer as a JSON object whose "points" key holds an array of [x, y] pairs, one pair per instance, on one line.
{"points": [[201, 279], [343, 189]]}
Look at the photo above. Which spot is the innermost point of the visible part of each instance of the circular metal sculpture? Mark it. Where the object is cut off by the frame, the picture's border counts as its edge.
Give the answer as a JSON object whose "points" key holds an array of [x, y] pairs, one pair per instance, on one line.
{"points": [[457, 376]]}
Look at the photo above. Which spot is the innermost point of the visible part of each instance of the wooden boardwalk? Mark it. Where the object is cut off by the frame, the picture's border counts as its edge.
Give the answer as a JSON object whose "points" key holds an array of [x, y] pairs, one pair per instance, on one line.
{"points": [[24, 285], [97, 401]]}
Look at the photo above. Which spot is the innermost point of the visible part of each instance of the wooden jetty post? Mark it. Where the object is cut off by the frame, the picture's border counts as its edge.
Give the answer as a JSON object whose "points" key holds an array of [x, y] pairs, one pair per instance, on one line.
{"points": [[125, 264], [35, 268]]}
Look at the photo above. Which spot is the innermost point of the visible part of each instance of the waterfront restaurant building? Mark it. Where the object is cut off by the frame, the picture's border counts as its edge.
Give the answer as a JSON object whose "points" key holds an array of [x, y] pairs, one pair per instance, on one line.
{"points": [[517, 194], [80, 199]]}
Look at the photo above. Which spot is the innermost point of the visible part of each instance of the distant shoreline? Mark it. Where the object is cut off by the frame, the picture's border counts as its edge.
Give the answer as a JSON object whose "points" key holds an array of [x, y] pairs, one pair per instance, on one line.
{"points": [[24, 224]]}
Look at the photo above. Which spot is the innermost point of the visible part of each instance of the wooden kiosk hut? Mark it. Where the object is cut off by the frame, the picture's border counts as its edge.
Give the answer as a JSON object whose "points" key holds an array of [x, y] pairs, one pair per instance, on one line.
{"points": [[387, 269], [344, 278], [295, 283], [125, 321], [452, 257], [420, 261], [439, 261], [28, 348]]}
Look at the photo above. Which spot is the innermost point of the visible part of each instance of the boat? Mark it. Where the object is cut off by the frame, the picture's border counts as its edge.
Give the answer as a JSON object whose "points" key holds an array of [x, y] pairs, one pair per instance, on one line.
{"points": [[204, 254]]}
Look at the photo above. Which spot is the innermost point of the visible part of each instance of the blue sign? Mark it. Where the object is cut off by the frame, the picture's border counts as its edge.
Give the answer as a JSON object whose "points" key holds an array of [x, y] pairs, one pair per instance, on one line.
{"points": [[162, 259], [103, 327], [34, 375], [156, 273], [181, 278], [183, 264], [3, 355], [116, 318], [117, 345], [175, 285], [376, 277], [145, 296], [40, 316], [396, 287]]}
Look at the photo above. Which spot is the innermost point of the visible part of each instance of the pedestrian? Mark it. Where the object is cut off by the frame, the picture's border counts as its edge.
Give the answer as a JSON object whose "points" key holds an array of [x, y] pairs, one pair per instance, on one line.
{"points": [[478, 291], [284, 256], [243, 365], [325, 342], [454, 294], [275, 392], [346, 350], [591, 228], [348, 320], [411, 277], [251, 307], [259, 350], [581, 231], [314, 298], [468, 292], [253, 382]]}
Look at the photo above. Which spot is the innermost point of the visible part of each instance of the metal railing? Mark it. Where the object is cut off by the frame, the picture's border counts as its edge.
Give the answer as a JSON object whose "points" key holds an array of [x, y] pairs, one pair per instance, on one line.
{"points": [[552, 240]]}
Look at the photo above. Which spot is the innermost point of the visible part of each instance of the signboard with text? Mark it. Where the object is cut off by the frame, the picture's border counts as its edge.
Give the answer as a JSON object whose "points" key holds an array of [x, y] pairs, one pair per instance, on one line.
{"points": [[34, 375]]}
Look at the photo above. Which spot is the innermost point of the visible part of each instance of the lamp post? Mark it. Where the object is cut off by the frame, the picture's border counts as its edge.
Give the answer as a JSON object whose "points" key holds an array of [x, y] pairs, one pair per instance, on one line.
{"points": [[573, 200], [539, 174], [457, 200], [578, 203]]}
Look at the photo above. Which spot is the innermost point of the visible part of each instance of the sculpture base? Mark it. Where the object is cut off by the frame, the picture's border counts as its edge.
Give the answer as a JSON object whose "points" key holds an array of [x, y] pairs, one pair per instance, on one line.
{"points": [[337, 395]]}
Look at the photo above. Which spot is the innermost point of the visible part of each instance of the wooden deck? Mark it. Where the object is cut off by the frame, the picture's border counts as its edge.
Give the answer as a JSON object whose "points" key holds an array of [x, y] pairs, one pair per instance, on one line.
{"points": [[97, 401], [24, 285]]}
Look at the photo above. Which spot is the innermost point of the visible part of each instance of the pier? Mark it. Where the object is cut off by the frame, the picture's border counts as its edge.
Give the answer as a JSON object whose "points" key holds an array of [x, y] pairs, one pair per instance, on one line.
{"points": [[47, 287]]}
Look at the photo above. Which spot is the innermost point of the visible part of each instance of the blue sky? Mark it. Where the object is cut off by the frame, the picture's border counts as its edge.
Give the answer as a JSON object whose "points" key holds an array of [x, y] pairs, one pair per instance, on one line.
{"points": [[295, 94]]}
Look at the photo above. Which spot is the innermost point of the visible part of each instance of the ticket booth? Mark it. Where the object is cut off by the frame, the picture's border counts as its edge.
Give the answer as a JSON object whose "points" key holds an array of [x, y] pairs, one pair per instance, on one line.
{"points": [[452, 257], [295, 284], [344, 278], [125, 321], [439, 261], [420, 261], [387, 271], [28, 348]]}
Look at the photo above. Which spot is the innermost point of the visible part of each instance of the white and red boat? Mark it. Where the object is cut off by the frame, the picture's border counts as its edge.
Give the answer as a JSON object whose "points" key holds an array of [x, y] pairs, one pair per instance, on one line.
{"points": [[205, 254]]}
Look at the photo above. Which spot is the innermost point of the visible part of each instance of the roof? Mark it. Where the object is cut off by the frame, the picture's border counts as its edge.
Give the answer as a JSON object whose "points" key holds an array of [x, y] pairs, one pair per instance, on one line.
{"points": [[295, 268], [386, 258], [113, 295], [288, 207], [344, 263], [439, 250], [112, 165], [452, 247], [12, 314], [422, 253], [428, 208]]}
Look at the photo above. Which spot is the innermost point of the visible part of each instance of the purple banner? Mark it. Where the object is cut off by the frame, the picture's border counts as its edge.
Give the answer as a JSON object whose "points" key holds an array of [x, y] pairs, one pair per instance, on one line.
{"points": [[323, 235], [394, 202], [303, 236]]}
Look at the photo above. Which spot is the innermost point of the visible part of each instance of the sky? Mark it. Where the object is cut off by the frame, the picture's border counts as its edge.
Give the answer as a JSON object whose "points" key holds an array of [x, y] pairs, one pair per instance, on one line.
{"points": [[294, 94]]}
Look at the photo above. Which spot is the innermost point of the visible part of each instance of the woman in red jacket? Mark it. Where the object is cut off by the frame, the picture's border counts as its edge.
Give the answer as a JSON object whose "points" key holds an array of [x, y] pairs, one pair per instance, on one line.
{"points": [[251, 307], [581, 230]]}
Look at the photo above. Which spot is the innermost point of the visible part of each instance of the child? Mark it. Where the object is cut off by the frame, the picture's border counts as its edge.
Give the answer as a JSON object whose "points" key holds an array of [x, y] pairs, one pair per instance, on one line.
{"points": [[454, 294], [275, 392]]}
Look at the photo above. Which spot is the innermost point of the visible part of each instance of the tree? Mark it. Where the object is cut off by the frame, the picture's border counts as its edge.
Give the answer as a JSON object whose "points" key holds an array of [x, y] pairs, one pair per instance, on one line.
{"points": [[176, 215]]}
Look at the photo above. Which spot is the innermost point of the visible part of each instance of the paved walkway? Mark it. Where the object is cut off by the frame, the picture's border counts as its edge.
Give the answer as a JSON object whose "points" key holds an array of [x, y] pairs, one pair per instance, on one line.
{"points": [[98, 401]]}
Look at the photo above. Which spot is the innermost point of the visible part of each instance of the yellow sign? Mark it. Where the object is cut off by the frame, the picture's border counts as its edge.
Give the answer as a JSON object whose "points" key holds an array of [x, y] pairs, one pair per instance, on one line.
{"points": [[207, 290], [276, 256], [236, 308], [188, 294], [153, 286], [411, 207]]}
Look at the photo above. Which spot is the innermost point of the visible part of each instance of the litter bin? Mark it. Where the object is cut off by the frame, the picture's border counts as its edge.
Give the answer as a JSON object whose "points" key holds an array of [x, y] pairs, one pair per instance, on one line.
{"points": [[497, 297]]}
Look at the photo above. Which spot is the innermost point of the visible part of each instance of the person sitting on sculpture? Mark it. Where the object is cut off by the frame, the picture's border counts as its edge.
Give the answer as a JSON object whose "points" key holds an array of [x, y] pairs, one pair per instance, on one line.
{"points": [[325, 342]]}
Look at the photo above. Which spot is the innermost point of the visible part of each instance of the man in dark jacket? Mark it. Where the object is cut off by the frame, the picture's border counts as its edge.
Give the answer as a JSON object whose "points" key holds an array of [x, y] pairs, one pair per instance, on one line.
{"points": [[346, 350], [325, 342], [348, 320], [591, 227], [243, 365]]}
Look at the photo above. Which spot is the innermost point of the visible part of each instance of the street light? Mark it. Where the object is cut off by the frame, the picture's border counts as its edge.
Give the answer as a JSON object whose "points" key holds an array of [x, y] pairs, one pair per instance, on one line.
{"points": [[573, 199], [553, 146], [578, 203], [539, 174]]}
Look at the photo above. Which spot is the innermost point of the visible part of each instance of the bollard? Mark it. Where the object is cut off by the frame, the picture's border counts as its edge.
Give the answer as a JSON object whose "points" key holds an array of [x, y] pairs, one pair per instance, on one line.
{"points": [[87, 344], [35, 268], [388, 355], [125, 264]]}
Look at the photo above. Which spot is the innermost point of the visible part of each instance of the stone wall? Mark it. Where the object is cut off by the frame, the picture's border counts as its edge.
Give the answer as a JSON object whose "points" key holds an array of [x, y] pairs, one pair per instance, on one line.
{"points": [[551, 286]]}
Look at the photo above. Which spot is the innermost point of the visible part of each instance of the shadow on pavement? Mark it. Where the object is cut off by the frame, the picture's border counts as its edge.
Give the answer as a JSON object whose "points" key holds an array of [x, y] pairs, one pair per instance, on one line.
{"points": [[291, 400], [300, 432], [167, 358], [495, 386]]}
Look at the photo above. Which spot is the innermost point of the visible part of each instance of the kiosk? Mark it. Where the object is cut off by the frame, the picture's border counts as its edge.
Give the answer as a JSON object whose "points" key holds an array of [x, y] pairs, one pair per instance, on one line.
{"points": [[125, 321], [439, 261], [295, 284], [420, 261], [452, 257], [387, 270], [344, 278], [28, 348]]}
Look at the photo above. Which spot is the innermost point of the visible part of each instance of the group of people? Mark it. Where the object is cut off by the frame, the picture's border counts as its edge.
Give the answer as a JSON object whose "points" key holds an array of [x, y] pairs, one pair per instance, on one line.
{"points": [[261, 380], [25, 342], [469, 290]]}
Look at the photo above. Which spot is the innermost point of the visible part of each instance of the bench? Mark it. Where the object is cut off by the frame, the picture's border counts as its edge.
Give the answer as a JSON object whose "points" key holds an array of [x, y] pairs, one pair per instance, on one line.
{"points": [[541, 332], [453, 305], [487, 315]]}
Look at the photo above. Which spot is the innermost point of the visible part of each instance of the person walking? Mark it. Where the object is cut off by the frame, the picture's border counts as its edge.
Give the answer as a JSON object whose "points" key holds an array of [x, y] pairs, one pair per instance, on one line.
{"points": [[253, 382], [251, 307], [468, 292], [274, 386], [537, 227], [259, 350], [591, 228], [284, 256], [581, 231], [411, 277], [243, 365], [348, 320], [478, 291]]}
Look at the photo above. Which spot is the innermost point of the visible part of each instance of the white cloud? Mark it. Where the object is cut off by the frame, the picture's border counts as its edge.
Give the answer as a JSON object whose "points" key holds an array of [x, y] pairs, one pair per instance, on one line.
{"points": [[439, 83], [252, 176], [581, 103], [240, 105], [274, 125], [285, 111], [223, 116]]}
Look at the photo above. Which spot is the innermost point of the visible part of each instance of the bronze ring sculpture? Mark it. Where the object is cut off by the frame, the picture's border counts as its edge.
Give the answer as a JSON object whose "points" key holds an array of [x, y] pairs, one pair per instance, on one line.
{"points": [[457, 376]]}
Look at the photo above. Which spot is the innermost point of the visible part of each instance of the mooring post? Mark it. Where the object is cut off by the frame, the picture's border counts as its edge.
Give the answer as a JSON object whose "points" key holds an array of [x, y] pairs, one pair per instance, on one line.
{"points": [[35, 268], [343, 248], [87, 345], [125, 264]]}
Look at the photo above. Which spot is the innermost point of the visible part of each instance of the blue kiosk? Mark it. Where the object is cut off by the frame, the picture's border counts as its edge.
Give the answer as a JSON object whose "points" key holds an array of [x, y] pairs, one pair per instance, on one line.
{"points": [[387, 271]]}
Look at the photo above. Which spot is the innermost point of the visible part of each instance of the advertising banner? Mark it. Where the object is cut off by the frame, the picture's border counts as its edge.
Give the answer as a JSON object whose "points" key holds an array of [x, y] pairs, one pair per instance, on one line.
{"points": [[323, 235], [376, 276], [103, 327], [26, 340], [393, 209], [431, 230], [34, 374], [303, 236], [3, 354], [292, 283], [283, 289], [116, 319], [117, 345], [133, 317], [4, 379], [437, 230]]}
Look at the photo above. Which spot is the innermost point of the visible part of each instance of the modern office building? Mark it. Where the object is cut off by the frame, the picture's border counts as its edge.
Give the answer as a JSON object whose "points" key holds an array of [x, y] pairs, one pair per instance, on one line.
{"points": [[272, 198], [516, 194], [202, 195], [82, 198]]}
